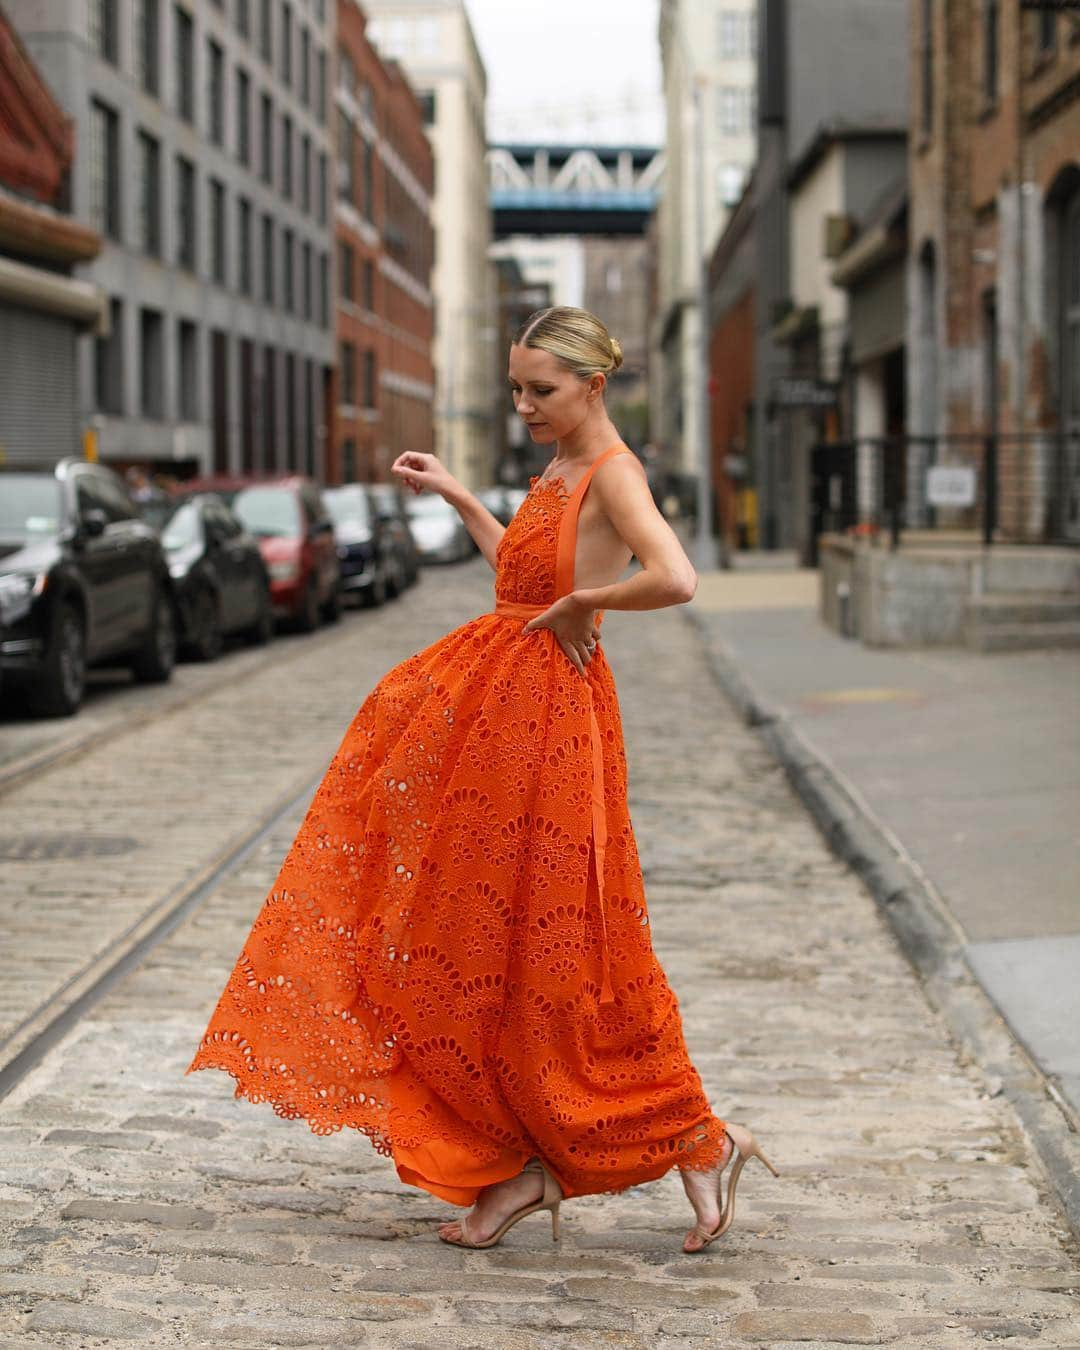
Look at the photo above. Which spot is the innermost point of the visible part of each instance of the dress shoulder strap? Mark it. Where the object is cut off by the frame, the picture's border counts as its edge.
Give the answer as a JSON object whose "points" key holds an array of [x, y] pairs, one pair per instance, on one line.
{"points": [[566, 546]]}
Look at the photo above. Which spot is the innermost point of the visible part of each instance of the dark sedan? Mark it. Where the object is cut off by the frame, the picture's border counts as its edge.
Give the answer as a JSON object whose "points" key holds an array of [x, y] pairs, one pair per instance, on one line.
{"points": [[221, 582], [371, 564], [84, 581], [390, 503]]}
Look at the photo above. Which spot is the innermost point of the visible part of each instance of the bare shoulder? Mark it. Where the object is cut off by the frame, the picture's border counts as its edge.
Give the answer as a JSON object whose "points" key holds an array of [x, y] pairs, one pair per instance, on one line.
{"points": [[619, 473]]}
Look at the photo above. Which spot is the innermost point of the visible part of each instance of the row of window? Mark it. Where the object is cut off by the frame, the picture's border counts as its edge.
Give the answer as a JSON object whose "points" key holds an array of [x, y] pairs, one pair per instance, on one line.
{"points": [[359, 375], [1041, 40], [300, 63], [736, 34], [347, 277], [295, 295], [111, 364]]}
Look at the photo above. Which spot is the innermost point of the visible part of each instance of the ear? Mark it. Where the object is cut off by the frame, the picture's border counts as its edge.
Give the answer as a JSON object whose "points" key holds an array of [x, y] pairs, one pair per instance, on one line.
{"points": [[596, 385]]}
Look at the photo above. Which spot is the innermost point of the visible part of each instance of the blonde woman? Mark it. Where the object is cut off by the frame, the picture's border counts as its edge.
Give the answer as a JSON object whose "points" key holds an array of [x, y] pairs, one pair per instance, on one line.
{"points": [[455, 958]]}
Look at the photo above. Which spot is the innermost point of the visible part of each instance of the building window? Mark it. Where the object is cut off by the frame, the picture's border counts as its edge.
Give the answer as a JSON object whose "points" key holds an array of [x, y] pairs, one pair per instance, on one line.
{"points": [[735, 105], [346, 257], [346, 163], [368, 296], [109, 363], [286, 157], [427, 106], [368, 391], [308, 281], [729, 183], [243, 18], [243, 116], [286, 44], [148, 201], [1046, 31], [147, 16], [348, 462], [926, 52], [184, 63], [269, 289], [368, 171], [305, 174], [266, 31], [288, 274], [243, 245], [733, 34], [151, 364], [324, 289], [218, 260], [305, 67], [346, 73], [104, 170], [347, 362], [186, 252], [187, 371], [320, 86], [101, 26], [215, 92], [266, 138], [324, 173], [991, 17]]}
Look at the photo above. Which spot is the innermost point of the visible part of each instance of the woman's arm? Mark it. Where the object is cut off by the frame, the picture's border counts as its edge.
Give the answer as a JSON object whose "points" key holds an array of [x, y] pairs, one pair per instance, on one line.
{"points": [[478, 520], [667, 576]]}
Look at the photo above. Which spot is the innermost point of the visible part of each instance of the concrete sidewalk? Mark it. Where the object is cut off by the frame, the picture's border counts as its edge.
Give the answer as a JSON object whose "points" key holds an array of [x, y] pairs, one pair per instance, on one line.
{"points": [[970, 762]]}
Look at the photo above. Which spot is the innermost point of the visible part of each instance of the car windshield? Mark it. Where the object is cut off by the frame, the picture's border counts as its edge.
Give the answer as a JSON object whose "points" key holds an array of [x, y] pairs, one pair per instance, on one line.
{"points": [[348, 508], [430, 504], [156, 513], [30, 506], [268, 512], [183, 529]]}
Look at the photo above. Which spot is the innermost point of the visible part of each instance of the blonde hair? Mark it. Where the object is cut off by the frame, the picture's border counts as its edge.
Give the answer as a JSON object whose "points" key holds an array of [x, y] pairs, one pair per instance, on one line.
{"points": [[573, 336]]}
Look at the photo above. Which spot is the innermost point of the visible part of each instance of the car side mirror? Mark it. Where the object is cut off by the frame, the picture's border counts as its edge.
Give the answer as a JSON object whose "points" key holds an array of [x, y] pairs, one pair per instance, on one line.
{"points": [[93, 522]]}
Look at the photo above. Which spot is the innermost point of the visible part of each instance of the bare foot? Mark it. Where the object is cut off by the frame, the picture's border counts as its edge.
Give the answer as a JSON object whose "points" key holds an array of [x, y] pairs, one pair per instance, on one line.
{"points": [[703, 1190], [493, 1205]]}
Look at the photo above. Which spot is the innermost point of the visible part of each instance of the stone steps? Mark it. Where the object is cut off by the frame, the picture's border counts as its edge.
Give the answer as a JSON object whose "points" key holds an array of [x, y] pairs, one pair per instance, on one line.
{"points": [[1021, 620]]}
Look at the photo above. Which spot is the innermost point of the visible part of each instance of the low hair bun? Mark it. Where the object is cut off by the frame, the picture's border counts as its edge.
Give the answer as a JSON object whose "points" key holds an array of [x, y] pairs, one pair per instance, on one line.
{"points": [[616, 353]]}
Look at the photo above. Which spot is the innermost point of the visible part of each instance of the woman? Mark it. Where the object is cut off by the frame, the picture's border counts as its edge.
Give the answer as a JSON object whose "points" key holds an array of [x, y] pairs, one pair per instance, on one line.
{"points": [[455, 958]]}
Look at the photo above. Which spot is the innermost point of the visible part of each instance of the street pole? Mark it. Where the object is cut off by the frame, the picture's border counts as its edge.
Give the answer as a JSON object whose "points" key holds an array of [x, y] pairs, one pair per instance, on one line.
{"points": [[706, 553]]}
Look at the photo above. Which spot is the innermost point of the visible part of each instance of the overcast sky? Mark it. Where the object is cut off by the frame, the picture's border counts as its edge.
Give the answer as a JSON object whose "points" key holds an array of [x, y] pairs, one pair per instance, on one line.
{"points": [[568, 70]]}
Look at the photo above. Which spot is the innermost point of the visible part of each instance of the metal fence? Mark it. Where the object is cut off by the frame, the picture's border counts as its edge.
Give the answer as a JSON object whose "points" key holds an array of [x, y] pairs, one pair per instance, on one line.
{"points": [[1001, 488]]}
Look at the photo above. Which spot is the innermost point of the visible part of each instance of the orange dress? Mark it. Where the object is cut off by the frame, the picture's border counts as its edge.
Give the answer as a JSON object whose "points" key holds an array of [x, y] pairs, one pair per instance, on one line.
{"points": [[455, 958]]}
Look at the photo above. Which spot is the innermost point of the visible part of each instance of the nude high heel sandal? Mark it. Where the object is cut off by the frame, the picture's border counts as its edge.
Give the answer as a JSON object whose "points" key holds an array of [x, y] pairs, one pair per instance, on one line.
{"points": [[550, 1199], [747, 1147]]}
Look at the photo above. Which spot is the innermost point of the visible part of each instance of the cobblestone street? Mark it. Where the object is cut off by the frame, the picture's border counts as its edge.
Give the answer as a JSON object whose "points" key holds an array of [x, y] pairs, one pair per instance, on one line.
{"points": [[142, 1207]]}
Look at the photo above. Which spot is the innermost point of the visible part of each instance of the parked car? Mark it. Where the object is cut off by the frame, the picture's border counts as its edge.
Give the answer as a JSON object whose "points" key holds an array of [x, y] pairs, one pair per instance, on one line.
{"points": [[514, 497], [439, 531], [497, 501], [390, 501], [370, 564], [85, 582], [221, 582], [295, 533]]}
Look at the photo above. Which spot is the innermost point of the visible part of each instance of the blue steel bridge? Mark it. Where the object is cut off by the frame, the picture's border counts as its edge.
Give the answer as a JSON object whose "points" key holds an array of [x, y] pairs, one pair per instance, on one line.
{"points": [[573, 189]]}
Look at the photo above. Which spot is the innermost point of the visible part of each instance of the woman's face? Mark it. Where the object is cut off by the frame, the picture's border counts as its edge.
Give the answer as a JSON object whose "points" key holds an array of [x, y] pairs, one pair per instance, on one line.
{"points": [[549, 399]]}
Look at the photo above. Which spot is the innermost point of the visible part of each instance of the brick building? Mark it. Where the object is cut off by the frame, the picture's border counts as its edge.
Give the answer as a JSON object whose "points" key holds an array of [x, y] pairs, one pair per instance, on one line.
{"points": [[43, 310], [385, 247], [994, 280]]}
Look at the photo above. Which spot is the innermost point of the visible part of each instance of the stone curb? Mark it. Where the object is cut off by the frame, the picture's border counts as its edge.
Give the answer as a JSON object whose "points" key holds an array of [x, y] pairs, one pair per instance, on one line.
{"points": [[920, 921]]}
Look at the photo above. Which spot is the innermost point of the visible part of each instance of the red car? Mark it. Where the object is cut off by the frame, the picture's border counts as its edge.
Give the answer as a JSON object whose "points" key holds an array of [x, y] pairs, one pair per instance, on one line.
{"points": [[296, 538]]}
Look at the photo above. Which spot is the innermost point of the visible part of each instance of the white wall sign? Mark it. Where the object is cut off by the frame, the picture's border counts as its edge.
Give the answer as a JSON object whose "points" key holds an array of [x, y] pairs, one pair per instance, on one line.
{"points": [[950, 485]]}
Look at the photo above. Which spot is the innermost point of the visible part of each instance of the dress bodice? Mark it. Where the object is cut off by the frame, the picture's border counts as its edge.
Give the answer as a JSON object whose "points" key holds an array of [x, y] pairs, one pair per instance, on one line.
{"points": [[525, 556]]}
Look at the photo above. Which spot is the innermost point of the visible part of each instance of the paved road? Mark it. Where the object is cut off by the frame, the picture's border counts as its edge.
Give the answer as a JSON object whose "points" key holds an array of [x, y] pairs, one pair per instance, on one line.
{"points": [[139, 1206]]}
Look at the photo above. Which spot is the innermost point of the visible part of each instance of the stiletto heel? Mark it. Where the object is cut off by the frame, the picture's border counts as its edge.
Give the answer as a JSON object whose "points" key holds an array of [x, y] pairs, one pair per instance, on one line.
{"points": [[551, 1199], [747, 1147]]}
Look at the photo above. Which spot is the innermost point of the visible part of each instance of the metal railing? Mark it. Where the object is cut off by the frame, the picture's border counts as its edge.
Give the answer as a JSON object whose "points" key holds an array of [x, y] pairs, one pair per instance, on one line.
{"points": [[1003, 488]]}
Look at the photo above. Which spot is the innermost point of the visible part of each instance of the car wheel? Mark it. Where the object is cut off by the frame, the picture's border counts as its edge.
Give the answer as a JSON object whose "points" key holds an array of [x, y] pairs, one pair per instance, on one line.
{"points": [[59, 690], [262, 630], [375, 594], [307, 618], [154, 661], [332, 608], [395, 582], [208, 640]]}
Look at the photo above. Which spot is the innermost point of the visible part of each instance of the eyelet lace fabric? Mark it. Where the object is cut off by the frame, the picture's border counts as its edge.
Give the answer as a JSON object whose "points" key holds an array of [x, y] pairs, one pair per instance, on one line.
{"points": [[428, 966]]}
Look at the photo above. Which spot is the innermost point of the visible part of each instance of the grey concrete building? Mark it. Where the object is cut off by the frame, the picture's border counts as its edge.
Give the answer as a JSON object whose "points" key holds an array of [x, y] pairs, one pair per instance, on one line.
{"points": [[204, 161], [822, 64]]}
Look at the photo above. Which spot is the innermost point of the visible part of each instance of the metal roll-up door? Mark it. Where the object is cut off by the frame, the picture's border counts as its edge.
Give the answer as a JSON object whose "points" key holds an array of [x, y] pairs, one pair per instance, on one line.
{"points": [[38, 406]]}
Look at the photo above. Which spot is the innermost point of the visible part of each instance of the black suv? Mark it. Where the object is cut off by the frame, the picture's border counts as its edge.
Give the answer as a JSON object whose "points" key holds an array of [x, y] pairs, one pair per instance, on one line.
{"points": [[83, 581]]}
